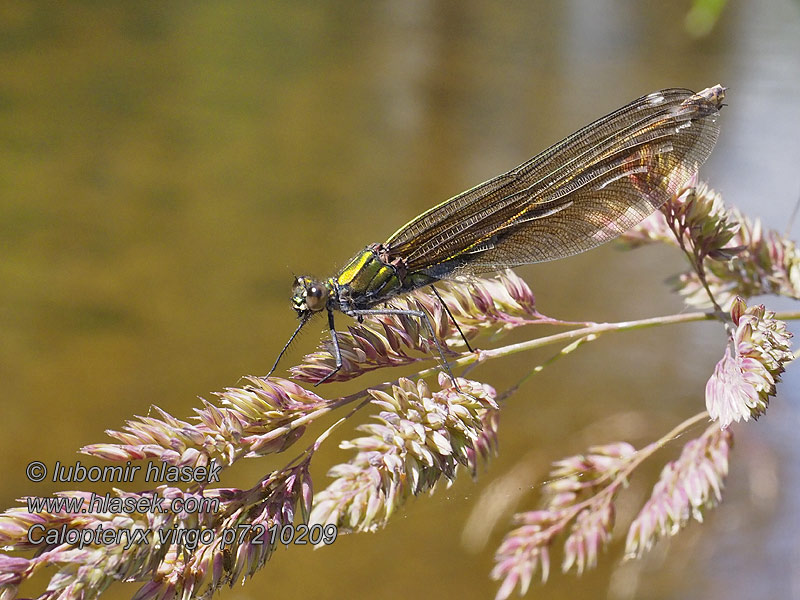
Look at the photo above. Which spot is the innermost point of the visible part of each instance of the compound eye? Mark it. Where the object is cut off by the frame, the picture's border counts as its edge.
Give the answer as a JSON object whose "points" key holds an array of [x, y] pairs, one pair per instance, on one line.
{"points": [[316, 297]]}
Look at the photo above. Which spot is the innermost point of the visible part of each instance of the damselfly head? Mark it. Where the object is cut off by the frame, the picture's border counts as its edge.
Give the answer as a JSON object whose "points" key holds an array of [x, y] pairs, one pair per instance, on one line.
{"points": [[309, 296]]}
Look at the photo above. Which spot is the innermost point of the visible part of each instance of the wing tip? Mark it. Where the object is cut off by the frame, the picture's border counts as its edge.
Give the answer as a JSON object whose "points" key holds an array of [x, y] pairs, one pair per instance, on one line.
{"points": [[707, 101]]}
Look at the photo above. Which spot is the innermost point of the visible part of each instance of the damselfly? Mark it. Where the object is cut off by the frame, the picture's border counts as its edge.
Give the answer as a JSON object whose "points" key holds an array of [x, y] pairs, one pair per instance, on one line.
{"points": [[578, 194]]}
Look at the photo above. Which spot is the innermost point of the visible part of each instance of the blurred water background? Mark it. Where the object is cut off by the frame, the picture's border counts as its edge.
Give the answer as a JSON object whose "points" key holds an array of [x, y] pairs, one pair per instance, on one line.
{"points": [[166, 168]]}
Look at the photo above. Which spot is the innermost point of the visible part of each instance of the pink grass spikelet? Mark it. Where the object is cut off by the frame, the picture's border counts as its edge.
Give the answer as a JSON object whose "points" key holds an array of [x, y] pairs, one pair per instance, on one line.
{"points": [[745, 378], [253, 420], [420, 436], [686, 486], [737, 256], [579, 498]]}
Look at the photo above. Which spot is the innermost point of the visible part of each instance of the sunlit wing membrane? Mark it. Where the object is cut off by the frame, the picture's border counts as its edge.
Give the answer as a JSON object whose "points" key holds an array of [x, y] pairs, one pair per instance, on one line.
{"points": [[578, 194]]}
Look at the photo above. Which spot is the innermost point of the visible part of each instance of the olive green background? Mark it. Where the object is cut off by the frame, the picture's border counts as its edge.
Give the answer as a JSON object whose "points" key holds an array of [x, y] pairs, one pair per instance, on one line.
{"points": [[166, 168]]}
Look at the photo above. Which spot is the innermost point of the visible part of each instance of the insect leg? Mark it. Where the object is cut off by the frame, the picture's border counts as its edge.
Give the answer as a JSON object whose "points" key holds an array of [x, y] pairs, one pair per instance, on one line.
{"points": [[452, 318], [286, 346], [337, 353], [423, 316]]}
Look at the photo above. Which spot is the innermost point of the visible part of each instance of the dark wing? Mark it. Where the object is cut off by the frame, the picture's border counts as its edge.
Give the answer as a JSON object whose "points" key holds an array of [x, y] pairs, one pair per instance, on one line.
{"points": [[578, 194]]}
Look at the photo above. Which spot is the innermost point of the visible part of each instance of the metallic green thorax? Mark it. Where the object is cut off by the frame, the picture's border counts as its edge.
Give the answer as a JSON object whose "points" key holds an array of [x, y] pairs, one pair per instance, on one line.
{"points": [[369, 279]]}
